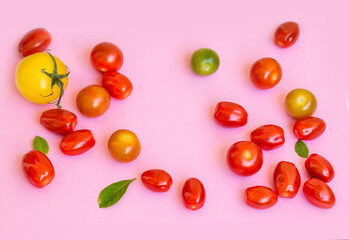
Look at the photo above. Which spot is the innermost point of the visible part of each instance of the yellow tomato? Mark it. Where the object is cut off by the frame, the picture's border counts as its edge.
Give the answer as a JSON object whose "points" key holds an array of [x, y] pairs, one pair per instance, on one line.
{"points": [[36, 85]]}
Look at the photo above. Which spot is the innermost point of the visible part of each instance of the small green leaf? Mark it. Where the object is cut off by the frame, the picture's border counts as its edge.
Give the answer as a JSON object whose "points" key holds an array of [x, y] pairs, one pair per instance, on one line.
{"points": [[301, 149], [40, 144], [113, 193]]}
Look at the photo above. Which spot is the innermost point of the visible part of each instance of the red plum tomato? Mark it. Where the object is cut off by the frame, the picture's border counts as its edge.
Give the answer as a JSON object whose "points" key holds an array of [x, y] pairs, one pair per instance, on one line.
{"points": [[117, 84], [319, 193], [34, 41], [157, 180], [229, 114], [59, 121], [286, 34], [286, 179], [260, 197], [77, 142], [319, 167], [268, 137], [193, 194], [309, 128], [37, 168]]}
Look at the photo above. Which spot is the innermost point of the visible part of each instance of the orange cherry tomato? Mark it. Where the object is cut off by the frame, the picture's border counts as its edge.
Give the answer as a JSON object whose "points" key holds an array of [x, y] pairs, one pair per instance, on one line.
{"points": [[286, 179], [229, 114], [60, 121], [286, 34], [260, 197], [38, 168], [106, 57], [319, 193], [309, 128], [319, 167], [268, 137], [266, 73], [77, 142], [157, 180], [93, 101], [124, 145], [36, 40], [117, 84], [300, 103], [193, 194], [245, 158]]}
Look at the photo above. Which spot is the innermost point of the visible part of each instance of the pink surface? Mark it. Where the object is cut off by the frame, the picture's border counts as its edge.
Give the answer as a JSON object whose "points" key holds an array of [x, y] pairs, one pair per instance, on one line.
{"points": [[171, 112]]}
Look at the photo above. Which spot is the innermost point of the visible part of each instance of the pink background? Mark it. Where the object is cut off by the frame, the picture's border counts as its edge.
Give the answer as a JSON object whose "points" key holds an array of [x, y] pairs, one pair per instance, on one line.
{"points": [[171, 112]]}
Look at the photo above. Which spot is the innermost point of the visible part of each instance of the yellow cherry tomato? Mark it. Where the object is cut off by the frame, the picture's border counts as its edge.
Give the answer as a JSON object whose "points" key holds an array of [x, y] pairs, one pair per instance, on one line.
{"points": [[124, 145], [41, 78], [300, 103]]}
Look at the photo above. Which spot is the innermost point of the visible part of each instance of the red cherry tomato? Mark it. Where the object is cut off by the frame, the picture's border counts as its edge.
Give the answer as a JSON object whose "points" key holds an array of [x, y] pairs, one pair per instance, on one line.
{"points": [[229, 114], [106, 57], [193, 194], [266, 73], [36, 40], [309, 128], [268, 137], [77, 142], [286, 34], [93, 101], [245, 158], [319, 193], [157, 180], [59, 121], [286, 179], [38, 168], [319, 167], [117, 84], [260, 197]]}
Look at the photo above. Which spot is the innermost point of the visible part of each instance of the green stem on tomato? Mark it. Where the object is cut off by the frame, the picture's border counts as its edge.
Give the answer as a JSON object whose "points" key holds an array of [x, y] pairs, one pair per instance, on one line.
{"points": [[56, 79]]}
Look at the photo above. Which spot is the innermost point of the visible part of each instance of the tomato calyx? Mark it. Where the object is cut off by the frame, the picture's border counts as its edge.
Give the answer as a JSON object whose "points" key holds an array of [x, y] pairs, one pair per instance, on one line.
{"points": [[56, 79]]}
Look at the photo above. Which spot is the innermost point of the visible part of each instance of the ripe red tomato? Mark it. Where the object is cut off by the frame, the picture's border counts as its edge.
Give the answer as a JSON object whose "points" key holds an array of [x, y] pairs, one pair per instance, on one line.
{"points": [[93, 101], [319, 167], [157, 180], [309, 128], [193, 194], [124, 145], [229, 114], [286, 34], [266, 73], [38, 168], [60, 121], [319, 193], [260, 197], [286, 179], [117, 84], [245, 158], [268, 137], [106, 57], [34, 41], [77, 142]]}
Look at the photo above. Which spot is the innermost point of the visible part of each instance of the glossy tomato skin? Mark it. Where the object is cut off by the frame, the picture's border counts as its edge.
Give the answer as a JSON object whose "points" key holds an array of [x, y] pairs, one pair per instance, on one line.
{"points": [[205, 61], [93, 101], [309, 128], [106, 57], [286, 179], [300, 103], [319, 167], [265, 73], [157, 180], [268, 137], [77, 142], [124, 145], [229, 114], [260, 197], [59, 121], [37, 168], [193, 194], [319, 193], [117, 84], [286, 34], [245, 158], [34, 41]]}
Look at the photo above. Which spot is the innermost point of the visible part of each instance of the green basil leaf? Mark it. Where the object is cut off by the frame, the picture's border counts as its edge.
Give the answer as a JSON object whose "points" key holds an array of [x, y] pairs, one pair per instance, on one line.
{"points": [[41, 145], [113, 193], [301, 149]]}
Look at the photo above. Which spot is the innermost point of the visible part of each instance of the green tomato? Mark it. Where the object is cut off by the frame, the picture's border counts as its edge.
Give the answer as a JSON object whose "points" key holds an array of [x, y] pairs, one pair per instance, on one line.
{"points": [[204, 61], [300, 103]]}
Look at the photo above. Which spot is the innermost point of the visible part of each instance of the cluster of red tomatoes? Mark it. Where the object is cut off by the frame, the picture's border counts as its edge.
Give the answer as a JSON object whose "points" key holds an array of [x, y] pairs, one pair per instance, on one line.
{"points": [[244, 158]]}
